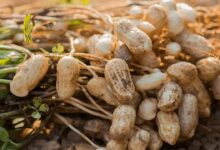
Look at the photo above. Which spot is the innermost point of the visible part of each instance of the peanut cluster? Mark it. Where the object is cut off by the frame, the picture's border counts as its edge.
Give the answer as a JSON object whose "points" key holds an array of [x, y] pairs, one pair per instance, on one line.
{"points": [[154, 100]]}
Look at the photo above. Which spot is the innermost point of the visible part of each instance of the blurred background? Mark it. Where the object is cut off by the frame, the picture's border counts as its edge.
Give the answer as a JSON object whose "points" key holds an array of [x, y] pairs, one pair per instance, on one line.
{"points": [[20, 3]]}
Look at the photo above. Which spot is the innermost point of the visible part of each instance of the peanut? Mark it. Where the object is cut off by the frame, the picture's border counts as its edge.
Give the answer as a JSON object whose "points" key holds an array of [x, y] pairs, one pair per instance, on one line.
{"points": [[118, 76], [168, 5], [169, 96], [136, 40], [173, 49], [168, 126], [80, 44], [67, 75], [155, 142], [117, 145], [148, 109], [28, 75], [136, 12], [208, 68], [123, 121], [195, 45], [145, 26], [156, 15], [150, 81], [148, 59], [92, 42], [98, 87], [105, 45], [186, 76], [187, 12], [175, 23], [123, 52], [139, 140], [188, 116]]}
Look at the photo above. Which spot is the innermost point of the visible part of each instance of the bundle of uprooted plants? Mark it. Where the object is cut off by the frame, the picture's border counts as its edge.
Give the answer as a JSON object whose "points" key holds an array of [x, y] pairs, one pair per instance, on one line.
{"points": [[136, 75]]}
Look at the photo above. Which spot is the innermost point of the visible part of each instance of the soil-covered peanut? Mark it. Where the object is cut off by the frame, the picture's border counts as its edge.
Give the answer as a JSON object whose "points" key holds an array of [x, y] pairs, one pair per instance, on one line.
{"points": [[139, 140], [98, 87], [117, 75], [168, 126], [208, 68], [169, 96], [29, 75], [67, 75], [123, 121], [148, 109], [136, 40], [188, 116], [186, 76]]}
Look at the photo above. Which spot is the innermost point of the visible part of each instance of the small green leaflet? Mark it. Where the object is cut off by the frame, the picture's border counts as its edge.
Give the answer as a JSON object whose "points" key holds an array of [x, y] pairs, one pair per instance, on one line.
{"points": [[27, 28], [58, 49], [37, 101], [36, 114], [44, 108]]}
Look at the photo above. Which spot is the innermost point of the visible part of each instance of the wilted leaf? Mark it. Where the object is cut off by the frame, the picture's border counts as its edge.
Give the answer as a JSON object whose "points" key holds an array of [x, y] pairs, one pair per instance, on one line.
{"points": [[85, 2], [36, 115], [58, 49], [37, 101], [44, 108], [4, 136]]}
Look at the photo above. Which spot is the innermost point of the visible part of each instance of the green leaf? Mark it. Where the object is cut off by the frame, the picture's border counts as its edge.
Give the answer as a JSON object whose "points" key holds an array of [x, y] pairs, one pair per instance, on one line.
{"points": [[58, 49], [44, 108], [10, 57], [37, 101], [4, 136], [36, 115], [27, 28], [4, 90]]}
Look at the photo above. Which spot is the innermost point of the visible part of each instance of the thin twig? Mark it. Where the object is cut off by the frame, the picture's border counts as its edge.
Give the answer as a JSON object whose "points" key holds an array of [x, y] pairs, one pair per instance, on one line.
{"points": [[75, 130], [94, 102]]}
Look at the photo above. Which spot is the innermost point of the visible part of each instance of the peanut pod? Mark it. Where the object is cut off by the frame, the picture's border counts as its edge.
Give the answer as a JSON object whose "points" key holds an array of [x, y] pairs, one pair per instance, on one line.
{"points": [[117, 75], [67, 75], [139, 140], [123, 121], [28, 75], [168, 126], [188, 116], [148, 109], [98, 87], [136, 40], [186, 76], [169, 96]]}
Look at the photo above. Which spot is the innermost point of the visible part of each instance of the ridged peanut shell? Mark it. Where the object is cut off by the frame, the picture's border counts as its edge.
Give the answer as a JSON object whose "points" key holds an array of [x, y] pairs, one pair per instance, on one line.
{"points": [[169, 96], [136, 40], [123, 121], [168, 126], [118, 76]]}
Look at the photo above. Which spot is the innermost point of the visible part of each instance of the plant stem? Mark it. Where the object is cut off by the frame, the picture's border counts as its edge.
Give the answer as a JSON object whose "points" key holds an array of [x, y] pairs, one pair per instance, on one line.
{"points": [[10, 113], [16, 48], [5, 81], [8, 70]]}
